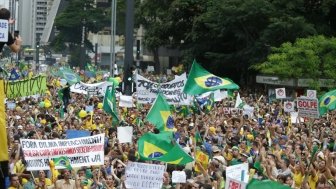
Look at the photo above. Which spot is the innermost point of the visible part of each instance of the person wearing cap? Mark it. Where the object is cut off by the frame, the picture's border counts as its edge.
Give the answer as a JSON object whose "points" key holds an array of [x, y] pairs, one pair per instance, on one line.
{"points": [[236, 156], [217, 155]]}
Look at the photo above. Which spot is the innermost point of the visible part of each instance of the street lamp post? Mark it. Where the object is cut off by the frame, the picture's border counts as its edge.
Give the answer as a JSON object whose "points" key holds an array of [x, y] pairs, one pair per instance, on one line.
{"points": [[37, 66], [113, 34]]}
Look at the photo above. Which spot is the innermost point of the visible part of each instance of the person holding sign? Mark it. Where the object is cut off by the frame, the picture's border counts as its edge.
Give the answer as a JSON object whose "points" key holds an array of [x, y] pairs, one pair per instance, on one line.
{"points": [[14, 43]]}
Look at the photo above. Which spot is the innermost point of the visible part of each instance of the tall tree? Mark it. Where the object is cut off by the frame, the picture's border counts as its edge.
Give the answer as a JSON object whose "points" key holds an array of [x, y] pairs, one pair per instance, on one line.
{"points": [[312, 57]]}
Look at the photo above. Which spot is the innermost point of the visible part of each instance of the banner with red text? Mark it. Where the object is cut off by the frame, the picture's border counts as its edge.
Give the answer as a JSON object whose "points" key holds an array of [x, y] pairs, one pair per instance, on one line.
{"points": [[85, 151], [308, 107]]}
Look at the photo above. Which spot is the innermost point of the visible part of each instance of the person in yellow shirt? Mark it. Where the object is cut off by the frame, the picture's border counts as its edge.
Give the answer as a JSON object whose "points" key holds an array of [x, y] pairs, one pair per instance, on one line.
{"points": [[14, 182], [312, 178], [298, 174], [42, 182]]}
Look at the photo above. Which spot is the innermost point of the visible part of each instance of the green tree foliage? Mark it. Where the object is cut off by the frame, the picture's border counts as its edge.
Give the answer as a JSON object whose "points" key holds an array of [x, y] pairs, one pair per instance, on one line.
{"points": [[312, 57], [234, 34]]}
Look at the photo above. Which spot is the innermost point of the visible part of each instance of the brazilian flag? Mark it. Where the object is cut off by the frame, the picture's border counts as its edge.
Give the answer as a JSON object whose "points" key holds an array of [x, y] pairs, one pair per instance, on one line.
{"points": [[161, 147], [70, 76], [200, 81], [160, 114], [327, 102], [63, 161]]}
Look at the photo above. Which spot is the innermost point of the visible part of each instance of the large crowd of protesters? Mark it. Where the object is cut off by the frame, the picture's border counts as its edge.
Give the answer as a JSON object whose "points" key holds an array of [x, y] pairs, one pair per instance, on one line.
{"points": [[273, 146]]}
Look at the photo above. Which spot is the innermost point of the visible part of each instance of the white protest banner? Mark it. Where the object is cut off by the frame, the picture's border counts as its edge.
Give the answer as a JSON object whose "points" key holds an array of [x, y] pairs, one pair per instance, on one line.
{"points": [[179, 177], [173, 90], [144, 175], [95, 89], [126, 101], [125, 134], [311, 93], [289, 106], [234, 184], [85, 151], [238, 172], [3, 30], [307, 107], [280, 93]]}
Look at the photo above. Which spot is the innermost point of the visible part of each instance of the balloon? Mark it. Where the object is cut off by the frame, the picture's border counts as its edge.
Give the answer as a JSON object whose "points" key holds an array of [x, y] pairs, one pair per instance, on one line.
{"points": [[43, 121], [100, 105], [114, 81], [41, 105], [82, 114], [47, 104], [118, 79]]}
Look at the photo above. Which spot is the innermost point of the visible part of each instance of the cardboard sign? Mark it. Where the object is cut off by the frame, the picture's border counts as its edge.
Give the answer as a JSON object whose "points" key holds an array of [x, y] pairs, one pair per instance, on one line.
{"points": [[125, 134], [280, 93], [203, 158], [234, 184], [308, 107], [179, 177], [311, 94], [3, 30], [238, 172], [289, 106], [144, 175], [126, 101]]}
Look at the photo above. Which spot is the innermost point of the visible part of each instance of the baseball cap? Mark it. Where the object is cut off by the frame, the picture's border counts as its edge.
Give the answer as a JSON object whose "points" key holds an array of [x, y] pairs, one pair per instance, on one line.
{"points": [[215, 149]]}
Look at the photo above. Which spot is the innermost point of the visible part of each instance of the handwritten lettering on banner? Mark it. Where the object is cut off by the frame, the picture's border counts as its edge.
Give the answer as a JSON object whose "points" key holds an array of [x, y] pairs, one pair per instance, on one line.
{"points": [[96, 89], [173, 90], [85, 151], [25, 87], [144, 175]]}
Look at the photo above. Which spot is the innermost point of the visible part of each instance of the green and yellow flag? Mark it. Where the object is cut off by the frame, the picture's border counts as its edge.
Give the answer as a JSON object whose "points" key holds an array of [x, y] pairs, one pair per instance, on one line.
{"points": [[200, 81], [161, 147], [109, 104], [63, 161], [160, 114], [327, 102], [265, 184]]}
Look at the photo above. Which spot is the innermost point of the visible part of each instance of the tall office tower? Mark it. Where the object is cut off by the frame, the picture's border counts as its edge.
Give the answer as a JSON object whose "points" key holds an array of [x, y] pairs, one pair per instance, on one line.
{"points": [[31, 19]]}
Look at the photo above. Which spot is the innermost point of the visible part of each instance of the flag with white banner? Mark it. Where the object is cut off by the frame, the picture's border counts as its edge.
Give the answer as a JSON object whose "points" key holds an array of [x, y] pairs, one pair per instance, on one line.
{"points": [[280, 93], [289, 106]]}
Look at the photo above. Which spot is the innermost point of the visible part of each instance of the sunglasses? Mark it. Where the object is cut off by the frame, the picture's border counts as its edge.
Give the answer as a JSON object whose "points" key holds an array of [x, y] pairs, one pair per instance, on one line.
{"points": [[119, 167]]}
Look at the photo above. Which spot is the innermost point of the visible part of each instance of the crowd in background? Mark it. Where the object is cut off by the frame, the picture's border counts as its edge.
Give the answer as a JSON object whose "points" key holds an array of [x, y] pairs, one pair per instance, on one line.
{"points": [[273, 146]]}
